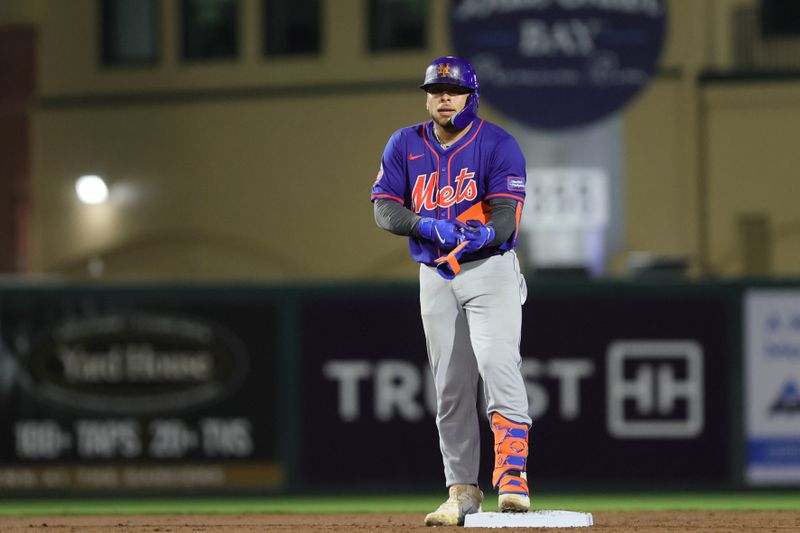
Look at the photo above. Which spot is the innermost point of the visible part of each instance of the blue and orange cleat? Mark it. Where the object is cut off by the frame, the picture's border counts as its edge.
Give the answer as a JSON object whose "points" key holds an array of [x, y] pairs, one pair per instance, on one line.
{"points": [[511, 456]]}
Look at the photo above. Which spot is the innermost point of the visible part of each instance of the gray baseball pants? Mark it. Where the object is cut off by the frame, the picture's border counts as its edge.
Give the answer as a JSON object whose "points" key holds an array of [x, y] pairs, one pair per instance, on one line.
{"points": [[472, 329]]}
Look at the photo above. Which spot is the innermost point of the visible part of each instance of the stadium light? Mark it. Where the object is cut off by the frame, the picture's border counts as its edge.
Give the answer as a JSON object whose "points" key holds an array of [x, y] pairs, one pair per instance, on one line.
{"points": [[91, 190]]}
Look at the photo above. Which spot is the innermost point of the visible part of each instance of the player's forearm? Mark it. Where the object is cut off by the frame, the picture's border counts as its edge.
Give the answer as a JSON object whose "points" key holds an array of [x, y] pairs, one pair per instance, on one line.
{"points": [[394, 217], [504, 219], [400, 220]]}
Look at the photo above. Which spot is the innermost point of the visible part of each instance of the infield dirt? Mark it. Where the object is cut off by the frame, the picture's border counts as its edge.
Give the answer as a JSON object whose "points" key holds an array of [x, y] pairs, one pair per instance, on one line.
{"points": [[623, 522]]}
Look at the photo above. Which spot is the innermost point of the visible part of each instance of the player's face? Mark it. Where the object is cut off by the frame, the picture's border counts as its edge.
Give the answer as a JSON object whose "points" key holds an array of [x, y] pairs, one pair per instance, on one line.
{"points": [[444, 101]]}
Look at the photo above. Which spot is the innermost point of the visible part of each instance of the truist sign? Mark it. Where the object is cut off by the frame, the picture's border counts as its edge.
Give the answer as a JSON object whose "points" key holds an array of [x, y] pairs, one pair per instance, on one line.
{"points": [[558, 64]]}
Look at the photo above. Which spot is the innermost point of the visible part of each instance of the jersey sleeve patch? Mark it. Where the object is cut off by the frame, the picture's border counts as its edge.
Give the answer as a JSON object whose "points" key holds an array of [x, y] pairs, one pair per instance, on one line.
{"points": [[379, 176], [515, 183]]}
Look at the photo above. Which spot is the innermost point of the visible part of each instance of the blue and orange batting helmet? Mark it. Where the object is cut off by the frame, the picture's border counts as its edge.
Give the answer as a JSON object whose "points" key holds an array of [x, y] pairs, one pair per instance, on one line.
{"points": [[451, 70]]}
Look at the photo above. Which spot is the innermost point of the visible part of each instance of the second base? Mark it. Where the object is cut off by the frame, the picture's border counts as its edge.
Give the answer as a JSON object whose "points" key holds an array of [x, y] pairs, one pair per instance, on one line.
{"points": [[533, 519]]}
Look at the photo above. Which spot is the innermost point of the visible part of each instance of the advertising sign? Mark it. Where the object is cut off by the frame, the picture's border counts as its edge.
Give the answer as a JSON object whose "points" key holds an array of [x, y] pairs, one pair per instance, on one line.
{"points": [[772, 392], [567, 212], [117, 390], [621, 388], [557, 64], [368, 403], [628, 386]]}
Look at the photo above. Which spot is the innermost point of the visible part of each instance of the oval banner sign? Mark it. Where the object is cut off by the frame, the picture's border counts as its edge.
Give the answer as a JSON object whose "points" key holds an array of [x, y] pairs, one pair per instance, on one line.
{"points": [[557, 64], [135, 364]]}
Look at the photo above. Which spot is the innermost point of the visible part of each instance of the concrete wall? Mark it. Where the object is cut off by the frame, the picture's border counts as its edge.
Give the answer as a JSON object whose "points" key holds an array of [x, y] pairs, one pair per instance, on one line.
{"points": [[753, 169]]}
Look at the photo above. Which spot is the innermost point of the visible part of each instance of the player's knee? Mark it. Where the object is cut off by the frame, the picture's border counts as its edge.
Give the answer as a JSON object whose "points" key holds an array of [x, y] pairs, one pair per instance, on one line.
{"points": [[498, 355]]}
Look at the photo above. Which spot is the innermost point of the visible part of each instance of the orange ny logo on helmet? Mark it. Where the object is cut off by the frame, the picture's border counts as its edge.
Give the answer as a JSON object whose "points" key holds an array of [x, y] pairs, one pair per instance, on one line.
{"points": [[444, 70]]}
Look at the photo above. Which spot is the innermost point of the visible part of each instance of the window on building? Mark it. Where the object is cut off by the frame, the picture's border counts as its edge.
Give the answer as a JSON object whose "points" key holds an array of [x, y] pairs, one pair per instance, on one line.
{"points": [[780, 18], [397, 24], [210, 29], [129, 32], [292, 27]]}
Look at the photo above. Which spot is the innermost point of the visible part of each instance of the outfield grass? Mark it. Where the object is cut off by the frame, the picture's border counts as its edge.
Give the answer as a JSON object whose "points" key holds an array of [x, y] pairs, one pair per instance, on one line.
{"points": [[401, 503]]}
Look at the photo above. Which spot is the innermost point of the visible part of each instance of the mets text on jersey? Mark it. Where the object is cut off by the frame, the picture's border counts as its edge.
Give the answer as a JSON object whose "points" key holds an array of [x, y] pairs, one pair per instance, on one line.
{"points": [[423, 195]]}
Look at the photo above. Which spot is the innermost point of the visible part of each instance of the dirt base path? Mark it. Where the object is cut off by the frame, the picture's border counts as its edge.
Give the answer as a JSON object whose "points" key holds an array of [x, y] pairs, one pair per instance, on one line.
{"points": [[622, 522]]}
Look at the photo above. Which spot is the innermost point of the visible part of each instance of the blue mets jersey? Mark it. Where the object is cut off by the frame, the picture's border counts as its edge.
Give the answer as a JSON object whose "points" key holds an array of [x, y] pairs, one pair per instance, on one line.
{"points": [[442, 183]]}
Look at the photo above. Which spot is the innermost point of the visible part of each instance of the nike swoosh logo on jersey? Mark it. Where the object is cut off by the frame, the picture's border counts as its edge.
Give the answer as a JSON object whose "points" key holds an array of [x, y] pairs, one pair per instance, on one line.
{"points": [[412, 157], [439, 236]]}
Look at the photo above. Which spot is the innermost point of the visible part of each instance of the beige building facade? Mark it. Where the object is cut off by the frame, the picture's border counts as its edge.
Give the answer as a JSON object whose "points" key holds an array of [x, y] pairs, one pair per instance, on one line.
{"points": [[260, 169]]}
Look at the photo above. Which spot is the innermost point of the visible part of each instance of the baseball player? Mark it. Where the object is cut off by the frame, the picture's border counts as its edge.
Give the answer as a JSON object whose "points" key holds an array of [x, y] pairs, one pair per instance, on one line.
{"points": [[455, 185]]}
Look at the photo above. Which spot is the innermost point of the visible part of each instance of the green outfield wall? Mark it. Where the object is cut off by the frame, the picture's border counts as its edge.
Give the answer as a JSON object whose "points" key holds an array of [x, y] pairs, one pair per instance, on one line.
{"points": [[252, 388]]}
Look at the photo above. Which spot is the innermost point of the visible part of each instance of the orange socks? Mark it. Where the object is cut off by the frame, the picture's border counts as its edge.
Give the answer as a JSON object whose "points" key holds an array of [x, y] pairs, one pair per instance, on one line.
{"points": [[511, 455]]}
